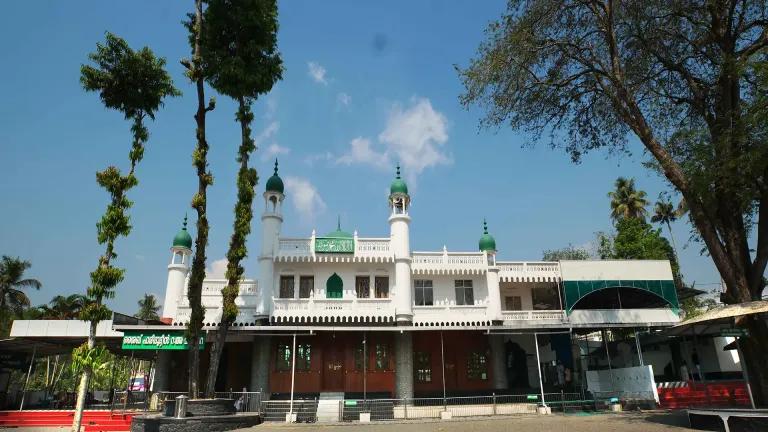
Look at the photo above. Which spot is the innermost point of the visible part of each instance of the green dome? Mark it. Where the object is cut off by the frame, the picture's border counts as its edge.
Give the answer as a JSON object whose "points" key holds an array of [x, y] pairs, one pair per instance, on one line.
{"points": [[183, 239], [275, 183], [339, 233], [487, 243], [398, 185]]}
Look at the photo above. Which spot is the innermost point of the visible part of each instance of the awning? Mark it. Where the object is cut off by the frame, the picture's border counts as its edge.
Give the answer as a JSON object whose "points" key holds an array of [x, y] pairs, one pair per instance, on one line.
{"points": [[711, 322]]}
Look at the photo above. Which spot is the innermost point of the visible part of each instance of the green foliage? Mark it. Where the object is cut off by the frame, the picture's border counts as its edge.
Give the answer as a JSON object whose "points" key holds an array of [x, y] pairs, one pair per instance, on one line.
{"points": [[132, 82], [626, 201], [148, 308], [687, 78], [63, 307], [695, 306], [569, 252], [12, 283], [92, 359]]}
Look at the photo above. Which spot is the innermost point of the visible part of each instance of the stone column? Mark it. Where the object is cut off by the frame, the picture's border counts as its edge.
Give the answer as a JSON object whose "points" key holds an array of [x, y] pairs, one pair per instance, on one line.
{"points": [[498, 361], [260, 356], [162, 372], [403, 365]]}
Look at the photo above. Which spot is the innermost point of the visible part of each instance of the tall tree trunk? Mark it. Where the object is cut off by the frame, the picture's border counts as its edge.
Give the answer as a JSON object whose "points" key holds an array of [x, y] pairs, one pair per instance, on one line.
{"points": [[85, 379], [199, 203], [246, 182], [672, 238]]}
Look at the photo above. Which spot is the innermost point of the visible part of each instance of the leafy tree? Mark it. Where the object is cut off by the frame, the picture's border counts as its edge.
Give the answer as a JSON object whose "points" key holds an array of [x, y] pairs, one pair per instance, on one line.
{"points": [[626, 201], [64, 307], [687, 78], [196, 72], [664, 212], [695, 306], [13, 299], [134, 83], [242, 61], [148, 308], [569, 252]]}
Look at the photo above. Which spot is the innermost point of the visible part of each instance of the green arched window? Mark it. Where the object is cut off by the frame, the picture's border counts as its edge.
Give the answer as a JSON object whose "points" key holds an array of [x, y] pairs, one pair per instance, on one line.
{"points": [[334, 288]]}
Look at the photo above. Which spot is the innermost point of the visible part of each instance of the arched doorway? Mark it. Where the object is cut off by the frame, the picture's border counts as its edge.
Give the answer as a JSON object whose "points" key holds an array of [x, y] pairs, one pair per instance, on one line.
{"points": [[334, 287]]}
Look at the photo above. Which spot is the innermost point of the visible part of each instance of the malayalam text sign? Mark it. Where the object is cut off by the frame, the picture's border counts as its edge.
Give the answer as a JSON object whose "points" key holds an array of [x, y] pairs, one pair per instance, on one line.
{"points": [[157, 341]]}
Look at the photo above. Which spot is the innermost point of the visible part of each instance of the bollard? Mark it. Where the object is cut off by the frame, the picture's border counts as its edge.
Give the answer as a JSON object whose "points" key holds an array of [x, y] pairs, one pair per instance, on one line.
{"points": [[181, 406], [494, 403]]}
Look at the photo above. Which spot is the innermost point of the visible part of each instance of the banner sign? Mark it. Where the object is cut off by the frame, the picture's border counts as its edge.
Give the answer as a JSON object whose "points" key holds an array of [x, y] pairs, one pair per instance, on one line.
{"points": [[157, 341], [334, 245], [734, 332]]}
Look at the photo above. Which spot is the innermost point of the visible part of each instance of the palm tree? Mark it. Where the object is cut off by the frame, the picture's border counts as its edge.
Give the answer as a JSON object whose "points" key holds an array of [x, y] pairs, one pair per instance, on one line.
{"points": [[148, 308], [64, 307], [664, 212], [12, 283], [626, 201]]}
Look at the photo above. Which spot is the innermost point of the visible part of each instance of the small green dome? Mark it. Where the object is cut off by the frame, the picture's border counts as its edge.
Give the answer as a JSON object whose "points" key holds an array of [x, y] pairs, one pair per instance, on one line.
{"points": [[339, 233], [487, 243], [183, 239], [398, 185], [275, 183]]}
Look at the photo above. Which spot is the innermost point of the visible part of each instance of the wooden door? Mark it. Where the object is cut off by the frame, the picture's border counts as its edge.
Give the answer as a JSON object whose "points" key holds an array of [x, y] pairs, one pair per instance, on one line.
{"points": [[333, 368]]}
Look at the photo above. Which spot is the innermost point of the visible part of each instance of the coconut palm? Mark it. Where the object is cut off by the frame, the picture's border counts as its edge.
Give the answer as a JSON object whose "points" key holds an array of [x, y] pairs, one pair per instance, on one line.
{"points": [[148, 308], [626, 201], [64, 307], [13, 283], [664, 212]]}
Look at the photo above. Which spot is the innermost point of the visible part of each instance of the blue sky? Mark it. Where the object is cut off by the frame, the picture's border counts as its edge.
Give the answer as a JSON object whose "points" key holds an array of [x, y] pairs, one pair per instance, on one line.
{"points": [[367, 84]]}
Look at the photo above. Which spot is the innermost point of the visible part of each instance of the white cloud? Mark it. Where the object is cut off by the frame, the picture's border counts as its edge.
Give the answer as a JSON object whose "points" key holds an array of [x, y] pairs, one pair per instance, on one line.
{"points": [[415, 136], [360, 151], [305, 198], [314, 158], [343, 99], [317, 73], [273, 150], [267, 134], [217, 269]]}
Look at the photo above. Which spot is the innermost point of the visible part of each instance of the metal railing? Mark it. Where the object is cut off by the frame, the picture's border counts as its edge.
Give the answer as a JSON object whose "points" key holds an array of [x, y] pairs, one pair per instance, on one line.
{"points": [[305, 410], [423, 408], [245, 401]]}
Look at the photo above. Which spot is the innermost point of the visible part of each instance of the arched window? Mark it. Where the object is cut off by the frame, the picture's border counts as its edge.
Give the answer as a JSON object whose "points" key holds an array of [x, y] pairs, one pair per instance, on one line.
{"points": [[334, 287]]}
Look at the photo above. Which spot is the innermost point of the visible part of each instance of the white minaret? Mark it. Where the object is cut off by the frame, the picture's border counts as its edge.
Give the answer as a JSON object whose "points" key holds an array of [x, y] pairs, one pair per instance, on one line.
{"points": [[399, 221], [487, 244], [271, 221], [178, 269]]}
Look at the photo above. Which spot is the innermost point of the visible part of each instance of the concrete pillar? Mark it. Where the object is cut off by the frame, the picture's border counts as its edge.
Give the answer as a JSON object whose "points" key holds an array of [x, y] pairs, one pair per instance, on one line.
{"points": [[498, 361], [494, 294], [260, 355], [403, 365], [162, 372]]}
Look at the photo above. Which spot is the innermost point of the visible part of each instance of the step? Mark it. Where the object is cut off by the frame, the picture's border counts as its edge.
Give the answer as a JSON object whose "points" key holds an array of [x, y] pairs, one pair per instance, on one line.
{"points": [[328, 410]]}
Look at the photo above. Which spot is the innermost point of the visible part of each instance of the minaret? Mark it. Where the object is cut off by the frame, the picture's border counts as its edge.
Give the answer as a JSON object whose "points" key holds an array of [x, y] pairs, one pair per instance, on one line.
{"points": [[181, 251], [487, 244], [271, 221], [399, 221]]}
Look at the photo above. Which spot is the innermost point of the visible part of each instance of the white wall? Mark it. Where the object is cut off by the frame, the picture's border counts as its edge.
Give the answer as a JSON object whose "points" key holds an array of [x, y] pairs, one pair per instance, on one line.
{"points": [[322, 271], [616, 270], [444, 288], [512, 289]]}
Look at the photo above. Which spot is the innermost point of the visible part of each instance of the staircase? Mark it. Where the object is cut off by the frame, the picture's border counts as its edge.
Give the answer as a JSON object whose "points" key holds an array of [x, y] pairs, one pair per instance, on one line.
{"points": [[711, 394], [328, 407], [92, 420]]}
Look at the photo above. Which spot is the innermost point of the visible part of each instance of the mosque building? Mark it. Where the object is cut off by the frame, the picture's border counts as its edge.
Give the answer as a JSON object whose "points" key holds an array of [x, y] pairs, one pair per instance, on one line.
{"points": [[366, 315]]}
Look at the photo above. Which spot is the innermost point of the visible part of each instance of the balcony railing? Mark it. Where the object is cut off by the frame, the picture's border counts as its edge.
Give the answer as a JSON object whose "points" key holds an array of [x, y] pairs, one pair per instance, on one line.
{"points": [[364, 247], [534, 315], [448, 315], [528, 271], [449, 262], [214, 286], [333, 310]]}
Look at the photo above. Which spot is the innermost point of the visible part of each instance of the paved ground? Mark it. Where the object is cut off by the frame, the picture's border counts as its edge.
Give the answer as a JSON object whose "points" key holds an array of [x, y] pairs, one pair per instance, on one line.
{"points": [[625, 422]]}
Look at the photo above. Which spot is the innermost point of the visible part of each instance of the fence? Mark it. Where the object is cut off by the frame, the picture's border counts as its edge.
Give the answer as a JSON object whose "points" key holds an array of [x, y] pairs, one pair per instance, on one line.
{"points": [[276, 410]]}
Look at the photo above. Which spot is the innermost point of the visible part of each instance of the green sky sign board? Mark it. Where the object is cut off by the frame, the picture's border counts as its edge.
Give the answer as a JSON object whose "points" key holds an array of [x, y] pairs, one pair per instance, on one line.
{"points": [[334, 245], [156, 341]]}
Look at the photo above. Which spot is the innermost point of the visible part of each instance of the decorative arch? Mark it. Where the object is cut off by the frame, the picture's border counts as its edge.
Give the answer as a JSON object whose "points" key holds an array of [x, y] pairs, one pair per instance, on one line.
{"points": [[574, 291], [334, 287]]}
